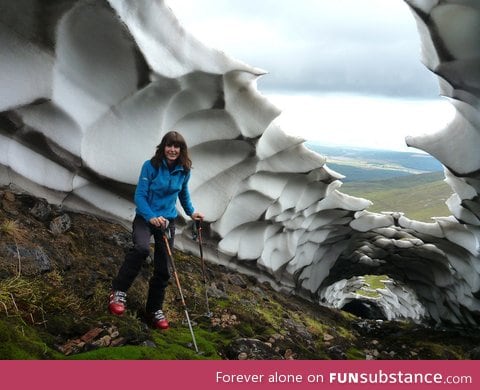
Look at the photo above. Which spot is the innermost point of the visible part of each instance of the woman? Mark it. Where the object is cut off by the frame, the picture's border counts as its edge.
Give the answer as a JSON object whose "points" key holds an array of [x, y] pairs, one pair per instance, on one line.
{"points": [[163, 179]]}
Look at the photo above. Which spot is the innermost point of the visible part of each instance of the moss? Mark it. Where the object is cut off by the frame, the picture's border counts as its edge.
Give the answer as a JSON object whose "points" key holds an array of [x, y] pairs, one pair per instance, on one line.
{"points": [[354, 354], [128, 352], [348, 316], [226, 333], [129, 327], [440, 351], [373, 282], [19, 341], [271, 313], [315, 327], [269, 331], [173, 344], [176, 343], [66, 325], [246, 329], [221, 303], [376, 281], [345, 333]]}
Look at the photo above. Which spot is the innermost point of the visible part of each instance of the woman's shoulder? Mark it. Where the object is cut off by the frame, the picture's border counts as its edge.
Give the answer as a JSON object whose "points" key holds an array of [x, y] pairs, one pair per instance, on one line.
{"points": [[148, 169], [147, 164]]}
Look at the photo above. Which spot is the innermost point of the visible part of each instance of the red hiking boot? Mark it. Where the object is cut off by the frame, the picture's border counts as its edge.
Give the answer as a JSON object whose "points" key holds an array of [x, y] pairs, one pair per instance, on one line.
{"points": [[118, 302], [159, 320]]}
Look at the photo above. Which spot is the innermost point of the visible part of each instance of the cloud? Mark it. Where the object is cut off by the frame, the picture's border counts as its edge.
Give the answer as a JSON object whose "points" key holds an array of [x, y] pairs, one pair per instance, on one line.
{"points": [[360, 121], [367, 47]]}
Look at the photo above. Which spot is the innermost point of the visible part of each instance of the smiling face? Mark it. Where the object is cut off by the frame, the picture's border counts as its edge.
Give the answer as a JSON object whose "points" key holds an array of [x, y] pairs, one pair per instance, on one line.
{"points": [[173, 149], [172, 152]]}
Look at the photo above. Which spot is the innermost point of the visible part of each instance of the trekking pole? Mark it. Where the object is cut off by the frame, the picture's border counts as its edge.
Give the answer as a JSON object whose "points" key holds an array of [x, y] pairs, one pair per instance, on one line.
{"points": [[198, 225], [179, 287]]}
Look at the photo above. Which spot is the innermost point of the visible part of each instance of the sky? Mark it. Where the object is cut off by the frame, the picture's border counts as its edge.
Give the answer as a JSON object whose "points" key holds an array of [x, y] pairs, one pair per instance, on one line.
{"points": [[344, 72]]}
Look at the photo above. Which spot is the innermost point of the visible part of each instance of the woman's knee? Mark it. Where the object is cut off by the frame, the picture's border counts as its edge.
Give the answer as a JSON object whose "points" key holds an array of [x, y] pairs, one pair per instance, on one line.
{"points": [[159, 280], [142, 249]]}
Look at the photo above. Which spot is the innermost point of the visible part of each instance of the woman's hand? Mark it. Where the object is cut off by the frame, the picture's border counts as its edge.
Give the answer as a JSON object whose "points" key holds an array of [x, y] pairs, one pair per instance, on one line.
{"points": [[159, 222], [197, 216]]}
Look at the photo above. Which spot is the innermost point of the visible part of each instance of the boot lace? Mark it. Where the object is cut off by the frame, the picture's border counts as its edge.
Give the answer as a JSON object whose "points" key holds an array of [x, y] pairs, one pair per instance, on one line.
{"points": [[119, 297], [158, 315]]}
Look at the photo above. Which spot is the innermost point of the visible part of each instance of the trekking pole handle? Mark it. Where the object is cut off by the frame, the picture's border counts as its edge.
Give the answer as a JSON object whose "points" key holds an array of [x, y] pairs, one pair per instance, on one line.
{"points": [[196, 229]]}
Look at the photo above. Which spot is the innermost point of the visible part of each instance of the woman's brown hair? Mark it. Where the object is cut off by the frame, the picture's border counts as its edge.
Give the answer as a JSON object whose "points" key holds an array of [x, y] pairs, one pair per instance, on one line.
{"points": [[176, 139]]}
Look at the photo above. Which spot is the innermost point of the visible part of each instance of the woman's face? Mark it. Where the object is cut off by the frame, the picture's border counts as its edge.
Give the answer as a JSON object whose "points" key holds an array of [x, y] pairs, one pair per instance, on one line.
{"points": [[172, 152]]}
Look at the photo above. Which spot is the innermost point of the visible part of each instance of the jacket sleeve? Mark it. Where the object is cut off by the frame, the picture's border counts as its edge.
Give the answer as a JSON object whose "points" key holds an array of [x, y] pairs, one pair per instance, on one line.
{"points": [[142, 192], [184, 196]]}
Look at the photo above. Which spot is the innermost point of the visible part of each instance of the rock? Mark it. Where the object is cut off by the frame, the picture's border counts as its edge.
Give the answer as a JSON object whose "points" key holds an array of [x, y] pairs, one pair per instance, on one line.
{"points": [[336, 353], [475, 353], [298, 328], [33, 261], [251, 349], [91, 334], [278, 337], [41, 210], [327, 337], [8, 204], [146, 343], [225, 320], [214, 292], [102, 336], [259, 292], [242, 356], [9, 196], [60, 224], [123, 240], [104, 341], [71, 347], [237, 280], [289, 354], [42, 260]]}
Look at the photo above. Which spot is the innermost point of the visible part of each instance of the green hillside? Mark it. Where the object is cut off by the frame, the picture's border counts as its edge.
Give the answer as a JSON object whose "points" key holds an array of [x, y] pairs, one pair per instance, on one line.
{"points": [[420, 197], [367, 171], [375, 160]]}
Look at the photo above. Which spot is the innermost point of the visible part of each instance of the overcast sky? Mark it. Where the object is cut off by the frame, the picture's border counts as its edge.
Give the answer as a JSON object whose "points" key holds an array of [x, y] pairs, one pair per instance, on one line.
{"points": [[361, 55]]}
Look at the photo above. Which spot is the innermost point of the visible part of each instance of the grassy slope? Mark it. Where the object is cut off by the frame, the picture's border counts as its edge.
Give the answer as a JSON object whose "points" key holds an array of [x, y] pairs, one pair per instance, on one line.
{"points": [[420, 197], [41, 311], [361, 174], [378, 158]]}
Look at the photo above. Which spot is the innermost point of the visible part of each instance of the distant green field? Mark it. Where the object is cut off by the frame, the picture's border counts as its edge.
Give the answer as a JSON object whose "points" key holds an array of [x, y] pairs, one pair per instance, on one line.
{"points": [[420, 196], [409, 182]]}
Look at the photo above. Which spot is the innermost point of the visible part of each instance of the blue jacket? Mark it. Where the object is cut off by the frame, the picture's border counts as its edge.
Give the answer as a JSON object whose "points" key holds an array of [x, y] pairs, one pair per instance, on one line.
{"points": [[157, 191]]}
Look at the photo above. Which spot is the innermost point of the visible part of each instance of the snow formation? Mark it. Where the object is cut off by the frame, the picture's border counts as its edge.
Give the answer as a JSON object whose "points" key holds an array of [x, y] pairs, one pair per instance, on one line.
{"points": [[88, 88]]}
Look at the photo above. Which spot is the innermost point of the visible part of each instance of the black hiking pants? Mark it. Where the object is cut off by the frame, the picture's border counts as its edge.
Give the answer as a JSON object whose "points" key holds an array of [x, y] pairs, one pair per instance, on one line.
{"points": [[134, 259]]}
